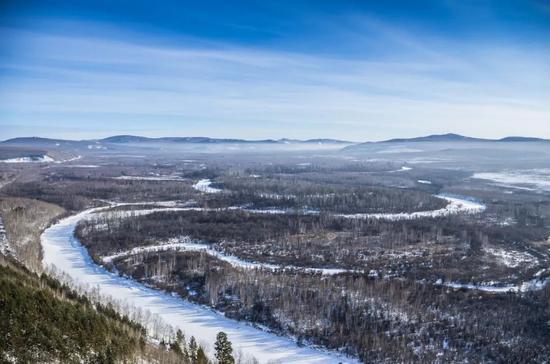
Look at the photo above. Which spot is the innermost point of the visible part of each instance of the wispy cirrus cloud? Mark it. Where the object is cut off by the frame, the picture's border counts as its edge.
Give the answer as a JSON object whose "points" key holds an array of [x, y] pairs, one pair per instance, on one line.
{"points": [[217, 89]]}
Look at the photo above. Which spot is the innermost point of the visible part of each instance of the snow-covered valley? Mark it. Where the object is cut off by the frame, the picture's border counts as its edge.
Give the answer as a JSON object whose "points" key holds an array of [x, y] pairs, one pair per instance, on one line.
{"points": [[63, 250]]}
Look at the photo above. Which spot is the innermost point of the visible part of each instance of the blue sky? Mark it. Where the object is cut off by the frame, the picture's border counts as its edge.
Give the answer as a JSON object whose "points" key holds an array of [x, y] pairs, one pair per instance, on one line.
{"points": [[357, 70]]}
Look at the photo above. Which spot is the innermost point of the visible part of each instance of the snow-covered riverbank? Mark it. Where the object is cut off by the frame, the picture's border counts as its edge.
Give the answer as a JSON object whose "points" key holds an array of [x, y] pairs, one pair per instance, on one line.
{"points": [[455, 206], [64, 251]]}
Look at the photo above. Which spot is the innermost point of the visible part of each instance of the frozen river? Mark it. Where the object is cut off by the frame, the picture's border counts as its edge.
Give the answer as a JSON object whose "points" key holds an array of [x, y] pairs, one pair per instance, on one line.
{"points": [[65, 252]]}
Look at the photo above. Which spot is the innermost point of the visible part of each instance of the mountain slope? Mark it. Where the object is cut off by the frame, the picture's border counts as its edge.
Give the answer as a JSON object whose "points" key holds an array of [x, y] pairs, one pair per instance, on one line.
{"points": [[447, 139], [44, 321], [450, 137]]}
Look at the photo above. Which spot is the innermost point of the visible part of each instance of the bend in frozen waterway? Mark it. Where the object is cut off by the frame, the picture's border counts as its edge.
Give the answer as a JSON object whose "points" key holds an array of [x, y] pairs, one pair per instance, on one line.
{"points": [[187, 244], [64, 251]]}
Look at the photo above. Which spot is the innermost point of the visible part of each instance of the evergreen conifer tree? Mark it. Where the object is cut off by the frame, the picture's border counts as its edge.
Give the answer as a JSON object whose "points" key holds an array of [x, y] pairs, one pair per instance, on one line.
{"points": [[224, 350], [201, 357], [193, 350]]}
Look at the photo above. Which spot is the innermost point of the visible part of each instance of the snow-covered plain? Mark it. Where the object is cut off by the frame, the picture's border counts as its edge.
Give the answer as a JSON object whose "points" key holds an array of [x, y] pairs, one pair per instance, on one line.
{"points": [[531, 180], [64, 251], [187, 244], [203, 185]]}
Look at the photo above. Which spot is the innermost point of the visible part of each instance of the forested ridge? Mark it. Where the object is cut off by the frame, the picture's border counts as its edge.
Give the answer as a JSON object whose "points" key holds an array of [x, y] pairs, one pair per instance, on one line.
{"points": [[42, 320]]}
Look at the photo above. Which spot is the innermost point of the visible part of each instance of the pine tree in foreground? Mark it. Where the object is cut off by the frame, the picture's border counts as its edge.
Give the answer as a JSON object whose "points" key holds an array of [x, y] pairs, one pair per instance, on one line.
{"points": [[224, 351], [201, 356], [192, 350]]}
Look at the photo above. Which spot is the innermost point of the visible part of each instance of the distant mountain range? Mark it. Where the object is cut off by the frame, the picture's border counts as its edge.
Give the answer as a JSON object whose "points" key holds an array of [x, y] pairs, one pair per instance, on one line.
{"points": [[437, 141], [461, 138], [133, 139]]}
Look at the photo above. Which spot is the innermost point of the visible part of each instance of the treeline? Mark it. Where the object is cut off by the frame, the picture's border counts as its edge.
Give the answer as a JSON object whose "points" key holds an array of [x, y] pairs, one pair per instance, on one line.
{"points": [[76, 194]]}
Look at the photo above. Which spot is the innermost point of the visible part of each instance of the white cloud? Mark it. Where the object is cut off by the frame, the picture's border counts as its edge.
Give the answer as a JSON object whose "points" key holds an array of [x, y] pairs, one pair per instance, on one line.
{"points": [[482, 92]]}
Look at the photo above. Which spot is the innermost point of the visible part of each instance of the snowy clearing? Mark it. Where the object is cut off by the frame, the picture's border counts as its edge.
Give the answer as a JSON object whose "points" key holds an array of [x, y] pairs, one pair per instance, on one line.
{"points": [[203, 185], [511, 258], [64, 251], [187, 244], [32, 159]]}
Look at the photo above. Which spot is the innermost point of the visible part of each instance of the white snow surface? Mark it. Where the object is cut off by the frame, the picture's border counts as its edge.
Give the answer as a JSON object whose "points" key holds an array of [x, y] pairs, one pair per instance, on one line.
{"points": [[531, 179], [38, 159], [455, 205], [64, 251], [5, 247], [203, 185], [492, 287], [512, 258], [187, 244], [424, 182], [151, 178], [68, 159]]}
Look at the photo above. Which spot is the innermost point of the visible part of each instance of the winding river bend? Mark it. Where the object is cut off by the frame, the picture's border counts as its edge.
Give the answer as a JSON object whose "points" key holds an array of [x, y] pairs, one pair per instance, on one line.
{"points": [[65, 252]]}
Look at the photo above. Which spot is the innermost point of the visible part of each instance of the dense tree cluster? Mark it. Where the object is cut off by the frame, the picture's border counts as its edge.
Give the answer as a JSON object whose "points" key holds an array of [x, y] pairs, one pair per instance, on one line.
{"points": [[24, 219], [334, 198], [378, 320], [42, 321], [451, 248]]}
